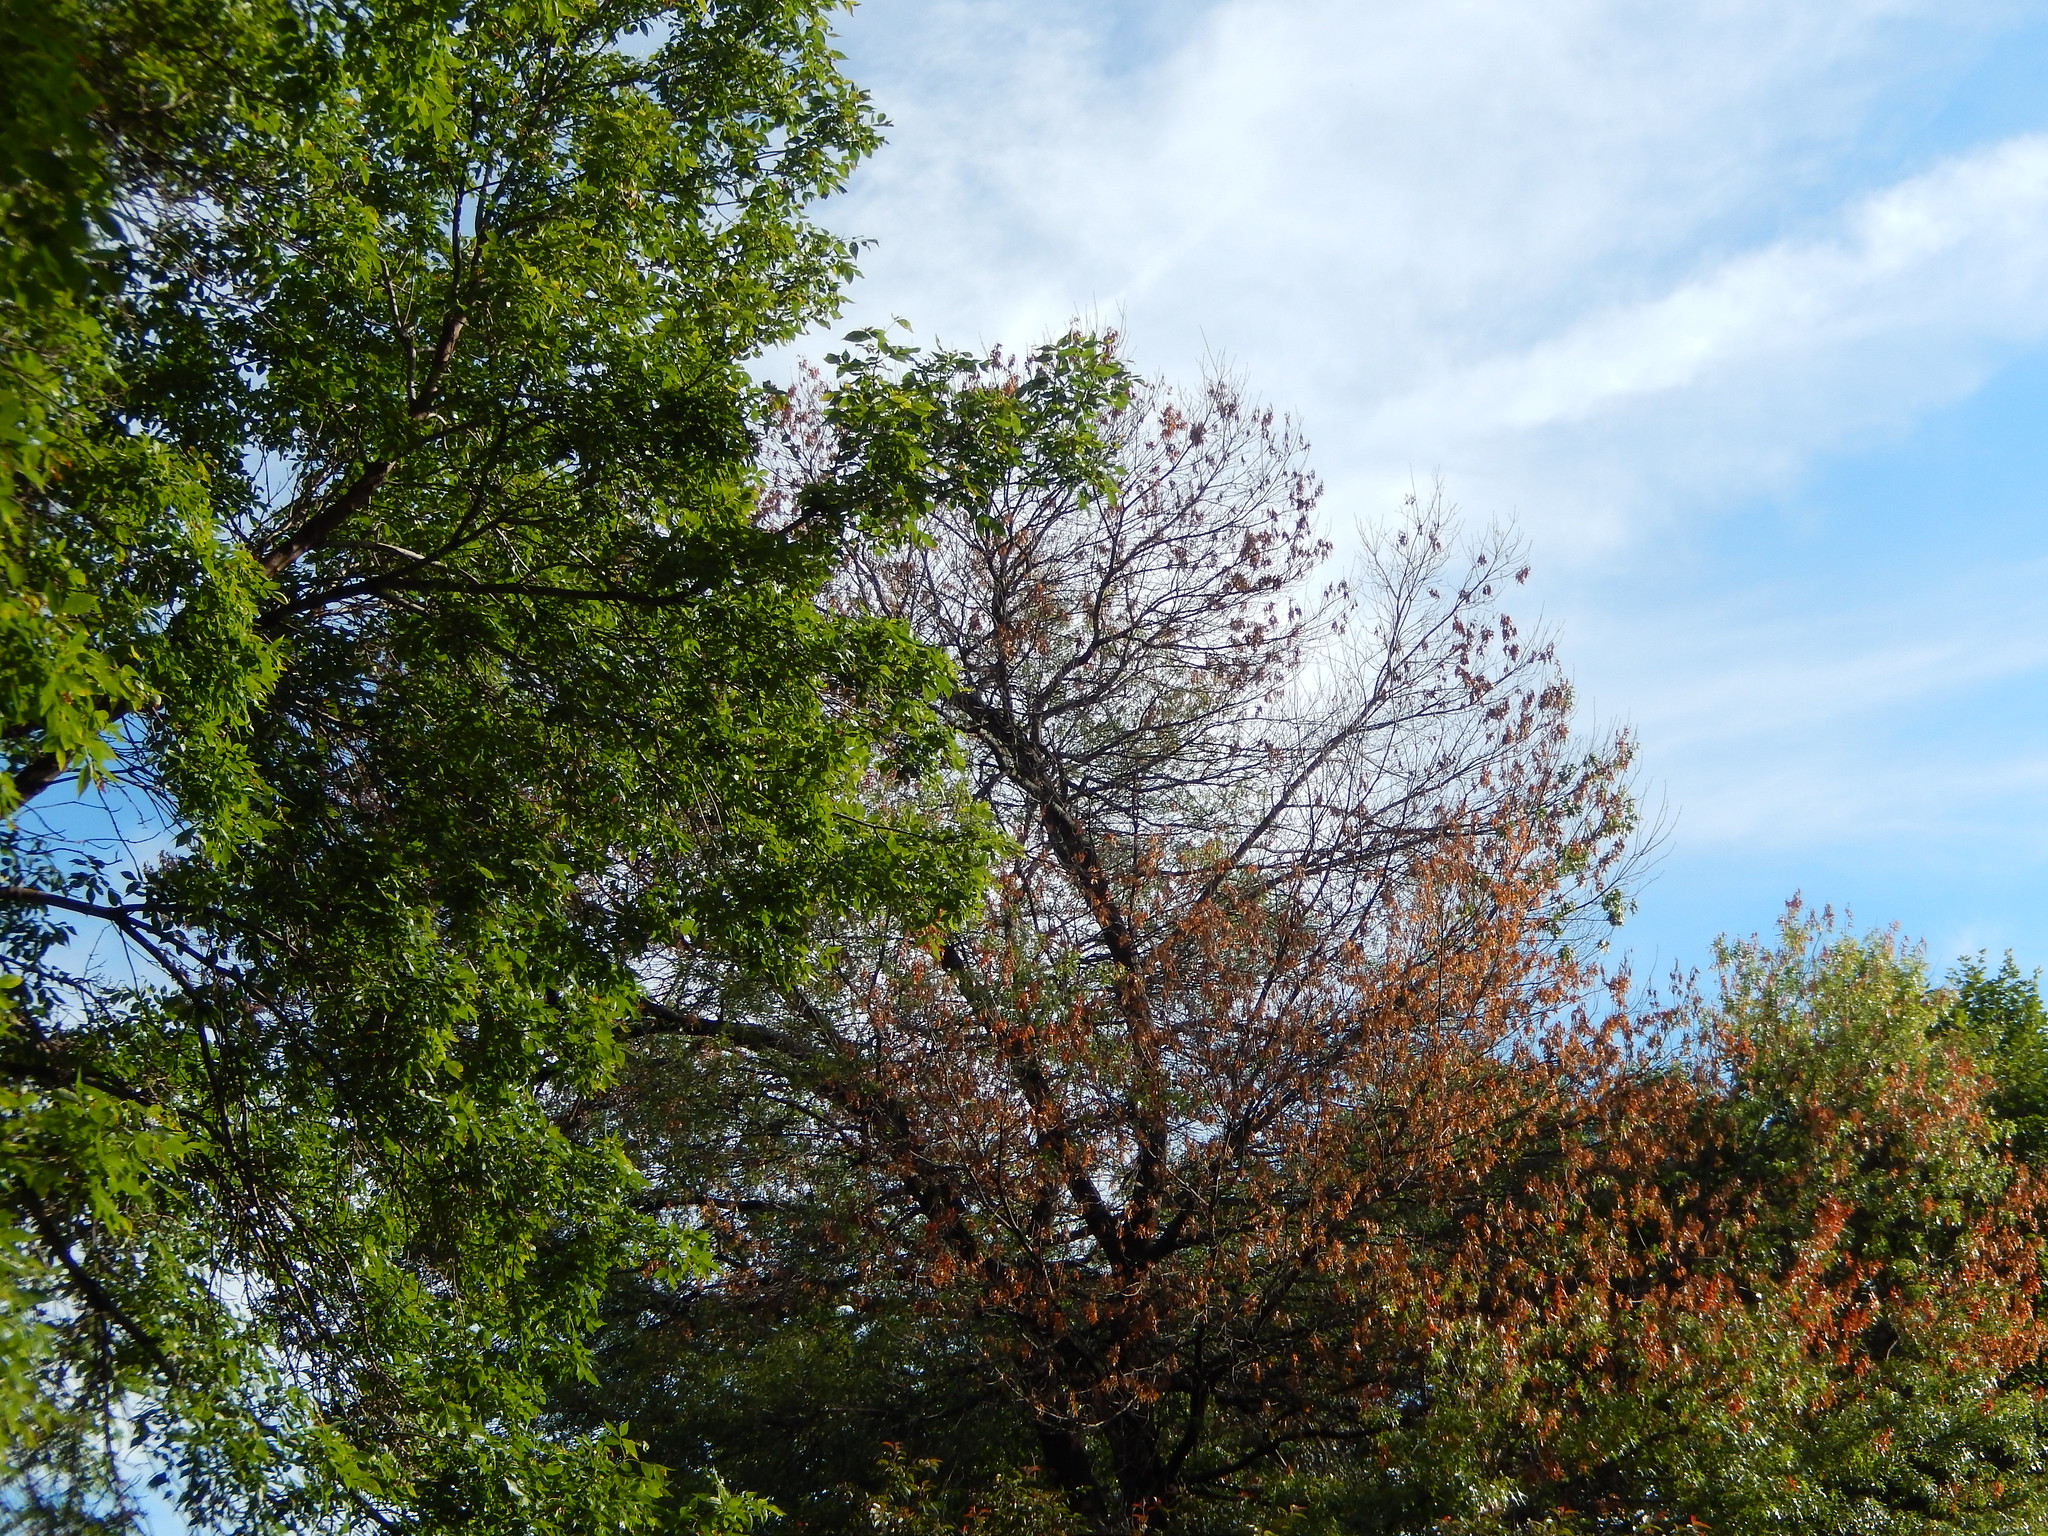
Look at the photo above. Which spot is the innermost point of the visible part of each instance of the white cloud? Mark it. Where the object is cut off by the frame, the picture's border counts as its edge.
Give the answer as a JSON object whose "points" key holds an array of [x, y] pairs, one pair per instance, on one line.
{"points": [[1466, 234], [1959, 255], [1614, 268], [1731, 381]]}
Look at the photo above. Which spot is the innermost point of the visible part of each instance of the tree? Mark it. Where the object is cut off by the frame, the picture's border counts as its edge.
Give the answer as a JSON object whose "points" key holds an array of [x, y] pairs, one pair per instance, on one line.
{"points": [[1999, 1018], [1267, 1152], [1178, 1151], [1879, 1137], [1843, 1330], [400, 648]]}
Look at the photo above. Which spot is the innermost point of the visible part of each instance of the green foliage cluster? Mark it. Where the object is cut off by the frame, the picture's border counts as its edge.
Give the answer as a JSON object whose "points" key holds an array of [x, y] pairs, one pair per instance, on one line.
{"points": [[1998, 1017], [399, 641]]}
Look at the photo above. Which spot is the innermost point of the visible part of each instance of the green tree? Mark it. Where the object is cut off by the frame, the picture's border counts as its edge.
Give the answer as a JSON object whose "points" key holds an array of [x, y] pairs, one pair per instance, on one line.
{"points": [[2000, 1019], [399, 646]]}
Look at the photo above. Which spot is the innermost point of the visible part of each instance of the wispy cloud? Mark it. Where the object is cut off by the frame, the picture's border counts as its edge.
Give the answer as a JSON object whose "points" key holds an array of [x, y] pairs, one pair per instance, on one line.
{"points": [[1730, 381], [1613, 268], [1774, 719], [1461, 233]]}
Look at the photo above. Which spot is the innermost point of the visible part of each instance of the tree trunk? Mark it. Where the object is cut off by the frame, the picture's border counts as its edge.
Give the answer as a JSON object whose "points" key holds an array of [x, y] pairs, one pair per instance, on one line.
{"points": [[1068, 1465]]}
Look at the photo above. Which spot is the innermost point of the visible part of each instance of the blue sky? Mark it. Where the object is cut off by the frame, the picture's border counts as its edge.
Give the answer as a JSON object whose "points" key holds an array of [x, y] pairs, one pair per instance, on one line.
{"points": [[1738, 311]]}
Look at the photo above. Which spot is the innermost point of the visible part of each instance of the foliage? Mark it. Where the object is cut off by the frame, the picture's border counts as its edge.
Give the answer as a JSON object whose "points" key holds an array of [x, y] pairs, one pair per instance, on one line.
{"points": [[1017, 1505], [399, 647], [1163, 1148], [495, 805], [1854, 1346], [1261, 1154], [1999, 1019]]}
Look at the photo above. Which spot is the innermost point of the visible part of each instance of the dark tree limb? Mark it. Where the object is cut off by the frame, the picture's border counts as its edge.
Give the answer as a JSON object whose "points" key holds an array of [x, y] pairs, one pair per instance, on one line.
{"points": [[316, 530], [89, 1290]]}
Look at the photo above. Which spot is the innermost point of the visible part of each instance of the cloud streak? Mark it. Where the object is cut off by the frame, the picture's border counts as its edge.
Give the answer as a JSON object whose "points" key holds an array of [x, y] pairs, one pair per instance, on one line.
{"points": [[1959, 254], [1622, 271], [1447, 231]]}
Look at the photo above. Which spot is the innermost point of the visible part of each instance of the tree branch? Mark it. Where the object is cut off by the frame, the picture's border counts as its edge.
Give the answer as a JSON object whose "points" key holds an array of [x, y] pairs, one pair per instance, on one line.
{"points": [[29, 896], [39, 773], [316, 530], [1052, 1133], [422, 401], [664, 1020], [371, 586], [89, 1290]]}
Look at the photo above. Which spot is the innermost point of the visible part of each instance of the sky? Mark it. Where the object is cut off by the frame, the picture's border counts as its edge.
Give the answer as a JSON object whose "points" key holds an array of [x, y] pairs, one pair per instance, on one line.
{"points": [[1737, 312]]}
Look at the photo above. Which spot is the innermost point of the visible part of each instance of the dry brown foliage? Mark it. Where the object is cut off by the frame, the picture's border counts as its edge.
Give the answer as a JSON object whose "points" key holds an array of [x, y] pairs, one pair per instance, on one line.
{"points": [[1265, 1104]]}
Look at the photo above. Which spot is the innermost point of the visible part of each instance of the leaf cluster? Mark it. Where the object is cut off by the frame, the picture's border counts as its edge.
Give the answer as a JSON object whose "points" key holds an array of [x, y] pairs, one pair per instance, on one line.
{"points": [[401, 643]]}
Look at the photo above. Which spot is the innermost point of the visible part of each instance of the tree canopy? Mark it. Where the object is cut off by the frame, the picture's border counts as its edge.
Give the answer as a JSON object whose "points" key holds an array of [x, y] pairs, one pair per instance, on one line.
{"points": [[1286, 904], [400, 646], [577, 926], [1268, 1149]]}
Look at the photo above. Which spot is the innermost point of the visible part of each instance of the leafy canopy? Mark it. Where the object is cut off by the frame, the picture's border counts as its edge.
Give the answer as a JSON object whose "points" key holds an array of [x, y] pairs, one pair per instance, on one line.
{"points": [[398, 646]]}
